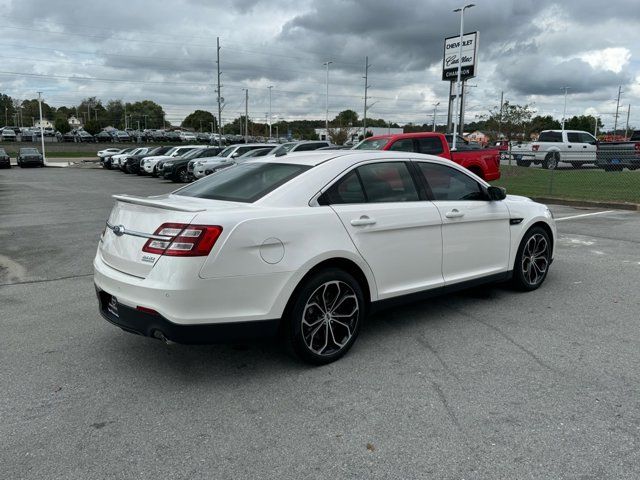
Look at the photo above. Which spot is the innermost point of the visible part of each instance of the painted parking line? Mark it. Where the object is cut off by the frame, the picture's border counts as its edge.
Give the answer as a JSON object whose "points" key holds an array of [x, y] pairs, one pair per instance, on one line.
{"points": [[572, 217]]}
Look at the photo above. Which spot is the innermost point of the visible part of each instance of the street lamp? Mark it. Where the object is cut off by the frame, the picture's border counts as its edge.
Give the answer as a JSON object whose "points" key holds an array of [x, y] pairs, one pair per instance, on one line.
{"points": [[564, 112], [455, 120], [326, 119], [435, 109], [270, 121]]}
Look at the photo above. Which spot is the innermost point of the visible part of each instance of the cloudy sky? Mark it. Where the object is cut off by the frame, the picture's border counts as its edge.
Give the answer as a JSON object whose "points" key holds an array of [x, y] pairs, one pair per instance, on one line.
{"points": [[165, 51]]}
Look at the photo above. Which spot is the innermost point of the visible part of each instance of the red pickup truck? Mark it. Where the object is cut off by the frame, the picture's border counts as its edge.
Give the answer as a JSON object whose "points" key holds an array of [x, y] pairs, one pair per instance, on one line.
{"points": [[484, 162]]}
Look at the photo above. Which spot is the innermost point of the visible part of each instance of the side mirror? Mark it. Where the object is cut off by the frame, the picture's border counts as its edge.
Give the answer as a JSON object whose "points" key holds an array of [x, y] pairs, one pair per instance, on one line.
{"points": [[496, 193]]}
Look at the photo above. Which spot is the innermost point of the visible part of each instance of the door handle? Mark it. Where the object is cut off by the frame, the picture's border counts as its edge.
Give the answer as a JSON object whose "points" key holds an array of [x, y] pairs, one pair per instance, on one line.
{"points": [[568, 146], [584, 146], [362, 221], [455, 213]]}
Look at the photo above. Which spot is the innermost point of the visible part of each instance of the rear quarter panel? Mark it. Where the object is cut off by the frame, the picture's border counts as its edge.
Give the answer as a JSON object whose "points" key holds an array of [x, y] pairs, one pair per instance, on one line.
{"points": [[486, 160]]}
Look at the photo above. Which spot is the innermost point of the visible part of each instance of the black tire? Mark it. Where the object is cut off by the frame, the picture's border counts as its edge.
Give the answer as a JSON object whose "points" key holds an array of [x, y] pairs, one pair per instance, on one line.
{"points": [[532, 260], [181, 175], [551, 161], [304, 338], [523, 163], [154, 174]]}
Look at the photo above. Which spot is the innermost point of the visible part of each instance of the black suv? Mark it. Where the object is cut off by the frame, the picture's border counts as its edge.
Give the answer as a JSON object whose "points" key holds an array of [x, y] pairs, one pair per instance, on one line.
{"points": [[176, 168], [30, 156], [132, 164], [5, 160]]}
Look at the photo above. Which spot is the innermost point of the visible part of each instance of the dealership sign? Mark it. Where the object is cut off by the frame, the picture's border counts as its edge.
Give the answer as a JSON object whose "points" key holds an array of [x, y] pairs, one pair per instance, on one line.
{"points": [[452, 57]]}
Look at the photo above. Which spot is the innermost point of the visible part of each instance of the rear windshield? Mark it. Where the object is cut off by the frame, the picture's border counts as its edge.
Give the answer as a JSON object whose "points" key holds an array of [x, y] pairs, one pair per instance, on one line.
{"points": [[550, 137], [371, 144], [246, 182]]}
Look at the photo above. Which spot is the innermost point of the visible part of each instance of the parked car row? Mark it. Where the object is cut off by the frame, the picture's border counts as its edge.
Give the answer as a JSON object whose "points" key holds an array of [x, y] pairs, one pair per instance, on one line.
{"points": [[27, 157], [185, 163]]}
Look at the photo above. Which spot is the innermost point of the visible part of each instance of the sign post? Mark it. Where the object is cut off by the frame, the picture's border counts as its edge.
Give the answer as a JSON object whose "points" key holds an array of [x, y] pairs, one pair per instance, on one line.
{"points": [[466, 57]]}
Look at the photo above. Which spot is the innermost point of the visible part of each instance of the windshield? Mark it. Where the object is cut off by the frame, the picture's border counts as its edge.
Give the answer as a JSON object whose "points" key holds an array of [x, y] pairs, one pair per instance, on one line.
{"points": [[191, 153], [2, 151], [29, 151], [246, 182], [284, 148], [227, 151], [372, 144], [181, 151]]}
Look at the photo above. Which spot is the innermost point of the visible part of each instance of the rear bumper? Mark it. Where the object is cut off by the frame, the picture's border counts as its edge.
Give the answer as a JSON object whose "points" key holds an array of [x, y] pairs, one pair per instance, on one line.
{"points": [[156, 326]]}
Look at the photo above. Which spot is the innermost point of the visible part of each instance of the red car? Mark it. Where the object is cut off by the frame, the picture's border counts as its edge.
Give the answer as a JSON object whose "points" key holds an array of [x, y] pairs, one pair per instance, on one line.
{"points": [[484, 162]]}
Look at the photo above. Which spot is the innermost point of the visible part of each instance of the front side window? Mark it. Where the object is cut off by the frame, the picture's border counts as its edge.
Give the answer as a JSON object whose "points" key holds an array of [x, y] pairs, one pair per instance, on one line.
{"points": [[448, 183], [586, 138], [245, 182]]}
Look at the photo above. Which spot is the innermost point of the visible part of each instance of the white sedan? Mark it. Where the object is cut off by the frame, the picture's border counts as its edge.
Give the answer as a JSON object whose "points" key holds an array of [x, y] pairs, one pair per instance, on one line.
{"points": [[307, 244]]}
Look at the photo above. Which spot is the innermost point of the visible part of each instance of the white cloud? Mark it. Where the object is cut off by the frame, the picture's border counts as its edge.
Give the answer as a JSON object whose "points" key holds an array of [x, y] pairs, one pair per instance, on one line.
{"points": [[613, 59]]}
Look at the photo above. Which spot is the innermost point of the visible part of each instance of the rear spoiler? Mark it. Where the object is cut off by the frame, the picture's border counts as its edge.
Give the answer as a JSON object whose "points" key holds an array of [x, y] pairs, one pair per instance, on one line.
{"points": [[148, 202]]}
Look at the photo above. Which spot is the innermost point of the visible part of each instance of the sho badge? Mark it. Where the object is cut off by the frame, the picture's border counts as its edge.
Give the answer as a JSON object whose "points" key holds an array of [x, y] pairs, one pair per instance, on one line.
{"points": [[148, 259]]}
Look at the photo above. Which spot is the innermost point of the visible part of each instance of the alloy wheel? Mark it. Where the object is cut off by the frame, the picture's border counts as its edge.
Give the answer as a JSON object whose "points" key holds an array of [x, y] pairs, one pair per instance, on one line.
{"points": [[535, 259], [330, 318]]}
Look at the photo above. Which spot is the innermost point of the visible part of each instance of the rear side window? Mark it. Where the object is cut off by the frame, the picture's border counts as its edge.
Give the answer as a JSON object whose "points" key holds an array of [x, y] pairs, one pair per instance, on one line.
{"points": [[388, 182], [430, 145], [245, 182], [550, 137], [347, 190], [405, 145], [447, 183]]}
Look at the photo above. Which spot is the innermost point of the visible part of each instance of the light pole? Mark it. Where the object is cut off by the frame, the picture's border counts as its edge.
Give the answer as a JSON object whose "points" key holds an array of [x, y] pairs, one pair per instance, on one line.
{"points": [[455, 116], [270, 121], [145, 121], [435, 109], [326, 118], [246, 115], [44, 157], [564, 112]]}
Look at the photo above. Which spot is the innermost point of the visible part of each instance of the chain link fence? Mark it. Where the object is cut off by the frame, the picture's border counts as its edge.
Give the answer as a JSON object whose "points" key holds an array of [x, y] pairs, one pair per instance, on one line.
{"points": [[604, 172]]}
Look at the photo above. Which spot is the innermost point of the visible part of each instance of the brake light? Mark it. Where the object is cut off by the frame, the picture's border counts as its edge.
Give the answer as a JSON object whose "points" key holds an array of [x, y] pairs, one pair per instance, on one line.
{"points": [[637, 148], [183, 240], [535, 147]]}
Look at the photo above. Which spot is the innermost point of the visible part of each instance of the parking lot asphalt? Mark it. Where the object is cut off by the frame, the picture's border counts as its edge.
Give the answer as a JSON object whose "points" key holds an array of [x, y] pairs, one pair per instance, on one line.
{"points": [[483, 384]]}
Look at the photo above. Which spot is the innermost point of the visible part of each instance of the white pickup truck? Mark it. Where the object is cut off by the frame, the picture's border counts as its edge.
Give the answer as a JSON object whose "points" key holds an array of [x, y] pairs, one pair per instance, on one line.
{"points": [[574, 147]]}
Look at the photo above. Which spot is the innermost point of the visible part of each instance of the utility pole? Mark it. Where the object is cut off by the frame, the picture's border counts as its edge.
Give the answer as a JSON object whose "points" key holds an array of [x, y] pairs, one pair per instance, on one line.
{"points": [[88, 110], [44, 156], [6, 115], [626, 129], [218, 91], [435, 110], [500, 119], [366, 89], [125, 116], [595, 129], [564, 112], [455, 122], [270, 121], [145, 121], [326, 118], [615, 125], [246, 115]]}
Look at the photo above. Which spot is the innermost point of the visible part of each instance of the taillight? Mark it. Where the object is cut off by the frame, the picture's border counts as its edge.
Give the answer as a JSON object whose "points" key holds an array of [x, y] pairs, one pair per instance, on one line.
{"points": [[535, 147], [637, 148], [183, 240]]}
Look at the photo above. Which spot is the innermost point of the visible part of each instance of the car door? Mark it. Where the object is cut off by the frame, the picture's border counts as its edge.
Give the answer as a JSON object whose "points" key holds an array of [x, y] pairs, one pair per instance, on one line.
{"points": [[397, 231], [475, 231], [589, 147]]}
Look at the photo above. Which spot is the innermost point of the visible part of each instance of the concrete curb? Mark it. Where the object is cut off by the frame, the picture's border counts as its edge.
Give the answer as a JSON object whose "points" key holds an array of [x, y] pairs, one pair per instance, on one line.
{"points": [[589, 203]]}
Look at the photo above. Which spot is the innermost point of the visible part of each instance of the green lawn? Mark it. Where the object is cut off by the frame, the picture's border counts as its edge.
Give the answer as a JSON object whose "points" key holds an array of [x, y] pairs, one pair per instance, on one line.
{"points": [[581, 184]]}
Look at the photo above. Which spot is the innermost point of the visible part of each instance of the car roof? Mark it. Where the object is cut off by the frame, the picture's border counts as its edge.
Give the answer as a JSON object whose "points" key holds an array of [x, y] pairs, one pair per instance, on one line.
{"points": [[316, 157]]}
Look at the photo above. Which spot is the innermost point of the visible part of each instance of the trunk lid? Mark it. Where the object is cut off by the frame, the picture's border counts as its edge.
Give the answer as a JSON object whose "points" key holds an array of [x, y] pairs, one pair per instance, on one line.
{"points": [[130, 223]]}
